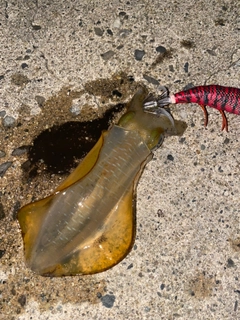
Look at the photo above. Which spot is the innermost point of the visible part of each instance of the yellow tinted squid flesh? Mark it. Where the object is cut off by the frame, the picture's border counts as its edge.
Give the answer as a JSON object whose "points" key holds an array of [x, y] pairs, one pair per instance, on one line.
{"points": [[88, 224]]}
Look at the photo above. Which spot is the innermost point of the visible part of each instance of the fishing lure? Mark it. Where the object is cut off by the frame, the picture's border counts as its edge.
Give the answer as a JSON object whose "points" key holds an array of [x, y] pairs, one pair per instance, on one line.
{"points": [[215, 96], [88, 224]]}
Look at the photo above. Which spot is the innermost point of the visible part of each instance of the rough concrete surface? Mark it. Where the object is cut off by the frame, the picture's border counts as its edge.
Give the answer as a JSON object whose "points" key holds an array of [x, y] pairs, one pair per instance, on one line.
{"points": [[62, 61]]}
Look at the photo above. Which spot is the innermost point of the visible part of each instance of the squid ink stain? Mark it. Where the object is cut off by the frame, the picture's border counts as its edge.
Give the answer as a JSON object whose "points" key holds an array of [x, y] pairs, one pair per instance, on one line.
{"points": [[60, 147]]}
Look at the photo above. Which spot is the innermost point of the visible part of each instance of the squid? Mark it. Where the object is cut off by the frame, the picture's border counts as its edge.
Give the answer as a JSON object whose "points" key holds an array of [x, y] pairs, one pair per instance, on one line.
{"points": [[88, 224]]}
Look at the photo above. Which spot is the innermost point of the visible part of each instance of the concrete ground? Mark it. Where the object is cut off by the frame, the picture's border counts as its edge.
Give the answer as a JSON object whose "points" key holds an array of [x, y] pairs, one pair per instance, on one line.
{"points": [[61, 61]]}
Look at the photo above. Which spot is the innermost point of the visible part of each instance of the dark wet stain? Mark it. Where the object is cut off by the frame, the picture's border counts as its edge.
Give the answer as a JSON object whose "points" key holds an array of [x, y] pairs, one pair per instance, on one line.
{"points": [[60, 147], [162, 56], [19, 79], [188, 44], [201, 286], [106, 88]]}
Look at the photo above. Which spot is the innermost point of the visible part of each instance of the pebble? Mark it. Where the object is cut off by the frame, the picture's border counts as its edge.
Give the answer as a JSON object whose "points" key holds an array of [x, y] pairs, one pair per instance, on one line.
{"points": [[98, 31], [186, 67], [138, 54], [20, 150], [4, 166], [108, 300], [40, 100], [2, 154], [188, 86], [2, 252], [109, 31], [161, 49], [170, 157], [24, 65], [107, 55], [151, 80], [9, 122], [2, 113]]}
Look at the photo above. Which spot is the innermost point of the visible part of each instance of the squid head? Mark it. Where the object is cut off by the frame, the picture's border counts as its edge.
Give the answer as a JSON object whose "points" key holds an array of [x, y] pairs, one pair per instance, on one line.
{"points": [[88, 224]]}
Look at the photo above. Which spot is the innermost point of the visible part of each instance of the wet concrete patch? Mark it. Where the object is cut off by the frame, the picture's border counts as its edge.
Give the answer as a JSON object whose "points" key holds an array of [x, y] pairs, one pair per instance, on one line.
{"points": [[54, 130]]}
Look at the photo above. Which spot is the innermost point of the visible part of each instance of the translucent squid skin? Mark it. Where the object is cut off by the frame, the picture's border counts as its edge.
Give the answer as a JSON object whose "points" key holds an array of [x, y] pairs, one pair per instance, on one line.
{"points": [[215, 96], [88, 224]]}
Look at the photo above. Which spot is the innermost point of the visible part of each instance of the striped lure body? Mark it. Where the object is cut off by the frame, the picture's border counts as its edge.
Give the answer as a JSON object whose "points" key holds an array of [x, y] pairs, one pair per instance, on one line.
{"points": [[215, 96], [88, 224]]}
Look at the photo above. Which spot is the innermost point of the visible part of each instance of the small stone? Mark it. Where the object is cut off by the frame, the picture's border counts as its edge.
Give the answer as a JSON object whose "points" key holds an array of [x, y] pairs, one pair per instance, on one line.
{"points": [[108, 300], [226, 141], [40, 100], [22, 300], [107, 55], [98, 31], [186, 66], [2, 113], [161, 49], [170, 157], [188, 86], [9, 122], [211, 52], [24, 65], [19, 151], [4, 166], [35, 27], [130, 266], [138, 54], [2, 154], [230, 263], [122, 14], [116, 93], [1, 77], [151, 79], [109, 31], [2, 252]]}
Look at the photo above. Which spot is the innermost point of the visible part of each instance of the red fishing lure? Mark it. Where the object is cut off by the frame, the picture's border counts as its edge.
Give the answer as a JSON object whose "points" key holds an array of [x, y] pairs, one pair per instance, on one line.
{"points": [[215, 96]]}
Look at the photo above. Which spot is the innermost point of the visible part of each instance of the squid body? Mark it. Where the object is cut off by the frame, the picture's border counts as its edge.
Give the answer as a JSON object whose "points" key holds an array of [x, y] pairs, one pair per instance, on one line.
{"points": [[88, 224]]}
